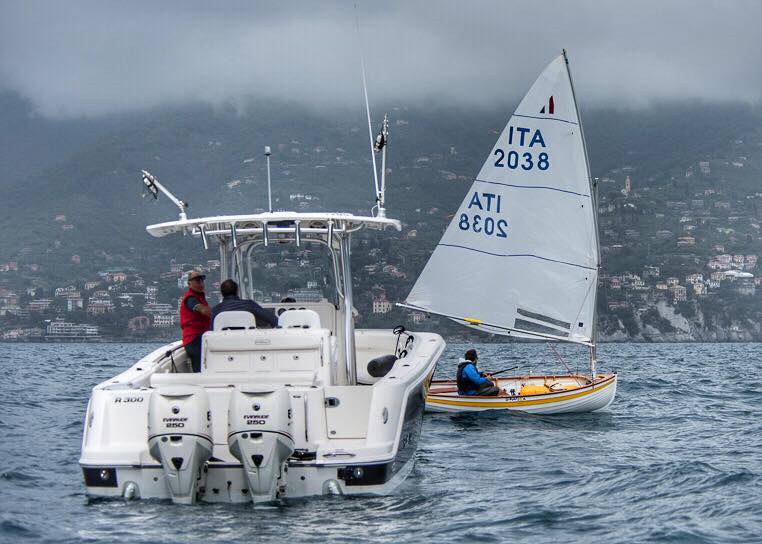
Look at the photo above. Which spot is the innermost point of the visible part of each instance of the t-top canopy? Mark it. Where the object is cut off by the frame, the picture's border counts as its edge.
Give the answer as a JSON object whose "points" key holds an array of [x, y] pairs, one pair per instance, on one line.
{"points": [[242, 225]]}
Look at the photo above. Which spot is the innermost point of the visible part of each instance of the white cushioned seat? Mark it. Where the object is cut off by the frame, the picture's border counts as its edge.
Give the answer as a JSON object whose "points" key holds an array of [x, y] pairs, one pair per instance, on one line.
{"points": [[306, 319], [234, 320]]}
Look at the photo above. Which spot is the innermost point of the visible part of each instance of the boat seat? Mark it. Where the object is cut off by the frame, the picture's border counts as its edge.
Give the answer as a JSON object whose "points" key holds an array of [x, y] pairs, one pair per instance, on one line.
{"points": [[305, 319], [276, 352], [234, 320]]}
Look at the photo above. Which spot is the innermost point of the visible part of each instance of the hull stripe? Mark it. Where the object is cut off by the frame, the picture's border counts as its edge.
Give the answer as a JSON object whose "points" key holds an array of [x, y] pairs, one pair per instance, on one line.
{"points": [[504, 402]]}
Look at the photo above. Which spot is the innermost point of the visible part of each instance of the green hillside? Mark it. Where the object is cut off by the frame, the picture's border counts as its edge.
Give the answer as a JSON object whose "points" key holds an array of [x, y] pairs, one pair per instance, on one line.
{"points": [[212, 158]]}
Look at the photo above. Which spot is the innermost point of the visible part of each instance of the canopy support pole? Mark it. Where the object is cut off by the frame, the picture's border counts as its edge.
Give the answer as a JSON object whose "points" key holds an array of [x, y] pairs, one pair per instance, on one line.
{"points": [[249, 272], [224, 260], [349, 326]]}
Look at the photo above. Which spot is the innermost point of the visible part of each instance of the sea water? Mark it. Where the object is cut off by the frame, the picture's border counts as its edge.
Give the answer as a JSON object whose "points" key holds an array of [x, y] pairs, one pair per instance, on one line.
{"points": [[676, 458]]}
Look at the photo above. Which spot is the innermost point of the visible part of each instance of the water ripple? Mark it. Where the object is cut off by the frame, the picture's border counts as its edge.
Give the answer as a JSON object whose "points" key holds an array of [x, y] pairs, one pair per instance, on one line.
{"points": [[678, 458], [13, 530]]}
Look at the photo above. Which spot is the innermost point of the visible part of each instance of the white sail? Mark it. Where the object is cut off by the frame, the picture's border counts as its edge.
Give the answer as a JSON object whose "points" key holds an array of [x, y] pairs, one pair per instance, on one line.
{"points": [[520, 256]]}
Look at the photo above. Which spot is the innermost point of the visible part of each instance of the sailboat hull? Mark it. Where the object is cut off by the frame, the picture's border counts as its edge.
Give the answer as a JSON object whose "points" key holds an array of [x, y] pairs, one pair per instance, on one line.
{"points": [[568, 394]]}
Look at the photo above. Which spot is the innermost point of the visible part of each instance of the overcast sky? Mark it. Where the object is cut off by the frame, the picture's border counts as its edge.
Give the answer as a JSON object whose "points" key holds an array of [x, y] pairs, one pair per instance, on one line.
{"points": [[73, 58]]}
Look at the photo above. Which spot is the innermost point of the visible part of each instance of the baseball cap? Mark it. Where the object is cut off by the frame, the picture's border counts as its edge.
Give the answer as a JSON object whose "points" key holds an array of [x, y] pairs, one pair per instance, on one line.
{"points": [[195, 274]]}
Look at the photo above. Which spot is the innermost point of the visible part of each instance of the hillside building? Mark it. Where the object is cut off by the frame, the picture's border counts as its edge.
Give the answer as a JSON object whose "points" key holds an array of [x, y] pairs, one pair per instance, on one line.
{"points": [[40, 305], [679, 293], [381, 306], [60, 329], [162, 321]]}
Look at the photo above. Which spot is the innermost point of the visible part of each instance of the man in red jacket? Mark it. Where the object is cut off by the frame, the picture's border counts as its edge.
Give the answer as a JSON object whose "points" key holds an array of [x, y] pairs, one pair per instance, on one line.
{"points": [[195, 317]]}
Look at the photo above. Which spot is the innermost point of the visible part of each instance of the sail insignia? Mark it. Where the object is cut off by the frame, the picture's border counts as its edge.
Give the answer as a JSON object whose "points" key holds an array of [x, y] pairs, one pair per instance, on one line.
{"points": [[551, 107]]}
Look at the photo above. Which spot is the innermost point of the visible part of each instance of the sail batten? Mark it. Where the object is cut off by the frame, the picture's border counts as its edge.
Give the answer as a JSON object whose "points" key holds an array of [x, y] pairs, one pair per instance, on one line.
{"points": [[546, 119], [520, 256], [517, 255], [500, 330], [531, 187]]}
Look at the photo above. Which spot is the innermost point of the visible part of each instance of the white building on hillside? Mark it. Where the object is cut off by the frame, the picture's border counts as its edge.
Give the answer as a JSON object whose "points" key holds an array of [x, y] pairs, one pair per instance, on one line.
{"points": [[381, 306]]}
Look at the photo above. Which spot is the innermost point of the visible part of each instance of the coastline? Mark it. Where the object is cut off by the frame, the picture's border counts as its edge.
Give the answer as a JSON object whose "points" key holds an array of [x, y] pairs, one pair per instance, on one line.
{"points": [[661, 339]]}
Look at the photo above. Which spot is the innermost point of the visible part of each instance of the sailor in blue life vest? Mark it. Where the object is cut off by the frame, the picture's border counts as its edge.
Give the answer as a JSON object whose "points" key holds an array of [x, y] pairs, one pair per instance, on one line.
{"points": [[471, 381]]}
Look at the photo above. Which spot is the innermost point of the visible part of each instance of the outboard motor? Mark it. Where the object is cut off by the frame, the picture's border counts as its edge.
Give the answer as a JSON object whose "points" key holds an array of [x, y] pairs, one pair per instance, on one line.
{"points": [[259, 435], [180, 437]]}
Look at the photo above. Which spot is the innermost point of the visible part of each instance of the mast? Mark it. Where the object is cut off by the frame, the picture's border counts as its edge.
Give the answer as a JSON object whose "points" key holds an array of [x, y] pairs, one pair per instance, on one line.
{"points": [[594, 200]]}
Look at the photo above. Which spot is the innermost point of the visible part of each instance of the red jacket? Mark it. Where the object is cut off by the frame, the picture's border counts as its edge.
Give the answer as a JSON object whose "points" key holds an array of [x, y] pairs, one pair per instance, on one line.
{"points": [[193, 323]]}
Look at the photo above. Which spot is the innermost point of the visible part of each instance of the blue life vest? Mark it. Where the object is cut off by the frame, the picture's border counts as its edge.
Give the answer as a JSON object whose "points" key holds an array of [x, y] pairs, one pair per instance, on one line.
{"points": [[464, 383]]}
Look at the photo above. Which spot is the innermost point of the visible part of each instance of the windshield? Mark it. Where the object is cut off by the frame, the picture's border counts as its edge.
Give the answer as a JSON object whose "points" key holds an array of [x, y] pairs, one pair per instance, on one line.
{"points": [[286, 271]]}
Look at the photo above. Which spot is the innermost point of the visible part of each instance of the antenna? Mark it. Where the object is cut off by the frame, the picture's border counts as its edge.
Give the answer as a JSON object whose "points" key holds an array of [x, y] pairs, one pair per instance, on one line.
{"points": [[380, 145], [269, 189], [379, 195], [153, 186]]}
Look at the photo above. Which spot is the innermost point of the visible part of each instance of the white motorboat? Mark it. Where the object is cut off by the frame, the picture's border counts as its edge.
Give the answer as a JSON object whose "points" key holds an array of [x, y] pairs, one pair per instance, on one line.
{"points": [[307, 408], [521, 256]]}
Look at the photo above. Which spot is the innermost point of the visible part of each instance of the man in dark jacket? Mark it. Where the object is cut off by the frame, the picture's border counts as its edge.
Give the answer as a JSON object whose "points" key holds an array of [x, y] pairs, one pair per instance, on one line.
{"points": [[471, 381], [232, 302]]}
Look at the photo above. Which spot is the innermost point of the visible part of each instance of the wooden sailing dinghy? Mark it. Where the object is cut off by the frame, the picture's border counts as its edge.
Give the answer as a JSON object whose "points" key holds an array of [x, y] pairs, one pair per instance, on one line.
{"points": [[521, 256]]}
